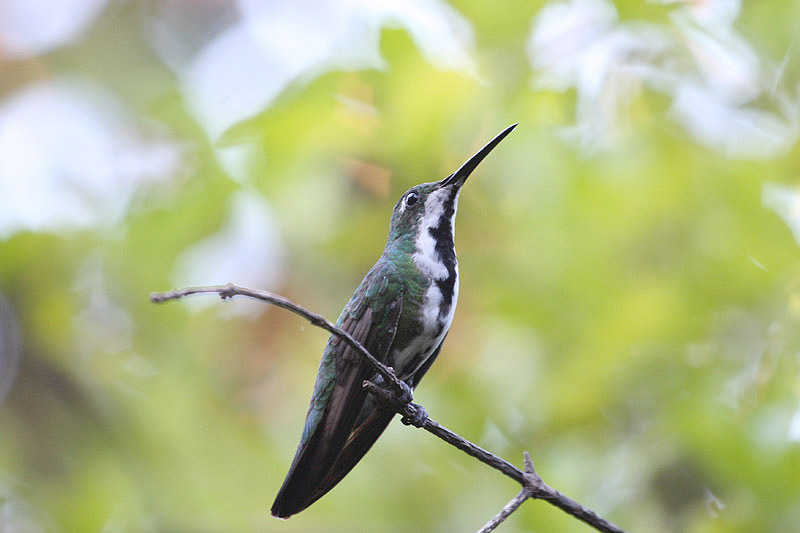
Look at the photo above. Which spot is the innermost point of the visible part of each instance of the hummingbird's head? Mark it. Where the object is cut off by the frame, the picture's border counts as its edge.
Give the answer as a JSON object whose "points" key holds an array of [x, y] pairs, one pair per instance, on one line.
{"points": [[429, 209]]}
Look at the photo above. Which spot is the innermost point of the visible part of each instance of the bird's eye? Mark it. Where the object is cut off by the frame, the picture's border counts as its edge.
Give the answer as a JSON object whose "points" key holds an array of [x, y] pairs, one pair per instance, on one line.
{"points": [[412, 199]]}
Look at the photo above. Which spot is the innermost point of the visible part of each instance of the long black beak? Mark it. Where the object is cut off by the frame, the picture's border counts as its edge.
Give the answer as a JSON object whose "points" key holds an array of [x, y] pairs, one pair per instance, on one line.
{"points": [[461, 175]]}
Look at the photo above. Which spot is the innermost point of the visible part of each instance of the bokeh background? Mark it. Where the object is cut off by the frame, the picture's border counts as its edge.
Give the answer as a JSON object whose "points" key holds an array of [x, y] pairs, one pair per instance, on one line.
{"points": [[630, 283]]}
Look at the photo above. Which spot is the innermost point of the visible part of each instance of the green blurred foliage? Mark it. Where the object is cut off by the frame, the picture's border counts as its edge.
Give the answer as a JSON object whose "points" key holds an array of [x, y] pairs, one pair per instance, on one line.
{"points": [[630, 317]]}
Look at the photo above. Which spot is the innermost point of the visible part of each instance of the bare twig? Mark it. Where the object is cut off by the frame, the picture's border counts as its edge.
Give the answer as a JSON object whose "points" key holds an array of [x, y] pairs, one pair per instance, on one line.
{"points": [[399, 388], [399, 400], [506, 511]]}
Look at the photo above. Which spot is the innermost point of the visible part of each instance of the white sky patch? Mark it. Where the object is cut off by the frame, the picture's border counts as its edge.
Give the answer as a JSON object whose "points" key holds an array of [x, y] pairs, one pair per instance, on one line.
{"points": [[785, 201], [282, 41], [33, 27], [239, 160], [247, 250], [794, 427], [725, 92], [734, 130], [72, 157]]}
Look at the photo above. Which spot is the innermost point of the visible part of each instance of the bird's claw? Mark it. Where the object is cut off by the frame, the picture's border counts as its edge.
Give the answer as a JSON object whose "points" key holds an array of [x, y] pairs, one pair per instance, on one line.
{"points": [[416, 415]]}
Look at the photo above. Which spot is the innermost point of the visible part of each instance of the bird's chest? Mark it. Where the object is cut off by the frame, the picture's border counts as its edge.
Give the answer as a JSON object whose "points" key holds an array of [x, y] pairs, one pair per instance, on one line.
{"points": [[427, 315]]}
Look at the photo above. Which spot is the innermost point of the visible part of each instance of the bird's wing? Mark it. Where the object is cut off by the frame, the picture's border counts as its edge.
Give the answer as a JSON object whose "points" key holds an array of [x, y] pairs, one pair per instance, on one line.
{"points": [[368, 428], [342, 424]]}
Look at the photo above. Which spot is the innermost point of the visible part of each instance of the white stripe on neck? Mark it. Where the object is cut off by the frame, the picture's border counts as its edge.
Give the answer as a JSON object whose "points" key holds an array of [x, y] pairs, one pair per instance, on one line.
{"points": [[426, 257]]}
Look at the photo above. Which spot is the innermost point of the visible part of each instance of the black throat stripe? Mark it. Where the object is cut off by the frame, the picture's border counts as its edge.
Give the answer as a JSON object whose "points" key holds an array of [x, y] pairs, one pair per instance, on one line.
{"points": [[445, 251]]}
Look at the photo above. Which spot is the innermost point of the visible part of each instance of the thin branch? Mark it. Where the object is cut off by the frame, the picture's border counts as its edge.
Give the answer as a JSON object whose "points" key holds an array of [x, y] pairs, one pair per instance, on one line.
{"points": [[399, 400], [506, 511], [400, 388]]}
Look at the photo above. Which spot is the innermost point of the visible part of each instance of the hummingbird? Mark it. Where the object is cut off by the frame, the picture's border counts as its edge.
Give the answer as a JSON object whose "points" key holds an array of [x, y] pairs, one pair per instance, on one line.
{"points": [[401, 313]]}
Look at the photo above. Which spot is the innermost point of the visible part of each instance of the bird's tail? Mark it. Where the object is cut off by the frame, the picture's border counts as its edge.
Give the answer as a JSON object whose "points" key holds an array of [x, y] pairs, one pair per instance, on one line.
{"points": [[308, 479]]}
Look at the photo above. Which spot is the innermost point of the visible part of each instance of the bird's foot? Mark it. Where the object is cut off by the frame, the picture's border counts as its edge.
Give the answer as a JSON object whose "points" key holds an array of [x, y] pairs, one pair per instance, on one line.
{"points": [[416, 415], [397, 401]]}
